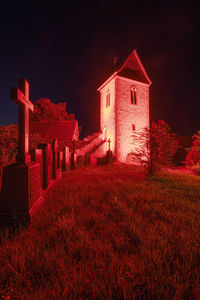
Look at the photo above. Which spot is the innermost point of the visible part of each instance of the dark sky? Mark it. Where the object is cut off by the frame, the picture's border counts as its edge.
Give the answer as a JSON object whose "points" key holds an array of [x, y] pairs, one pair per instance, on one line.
{"points": [[66, 51]]}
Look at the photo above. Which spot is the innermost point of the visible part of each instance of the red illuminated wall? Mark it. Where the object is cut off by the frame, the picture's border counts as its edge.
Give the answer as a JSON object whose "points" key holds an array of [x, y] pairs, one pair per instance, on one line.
{"points": [[118, 118], [122, 118], [128, 114], [107, 114]]}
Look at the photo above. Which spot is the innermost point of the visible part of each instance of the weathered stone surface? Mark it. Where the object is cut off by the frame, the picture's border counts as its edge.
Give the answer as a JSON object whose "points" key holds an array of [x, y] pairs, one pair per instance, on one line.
{"points": [[87, 159], [109, 157], [129, 114], [21, 97], [21, 187], [80, 160], [124, 116], [55, 158], [47, 163], [73, 156], [37, 156], [59, 164], [66, 159], [93, 160], [21, 183]]}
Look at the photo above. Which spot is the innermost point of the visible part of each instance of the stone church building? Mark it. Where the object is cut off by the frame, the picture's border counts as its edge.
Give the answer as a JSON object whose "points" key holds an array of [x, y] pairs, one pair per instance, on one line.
{"points": [[124, 106]]}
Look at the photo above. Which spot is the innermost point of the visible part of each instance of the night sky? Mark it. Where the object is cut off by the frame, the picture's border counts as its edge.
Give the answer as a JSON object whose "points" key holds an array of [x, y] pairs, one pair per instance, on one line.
{"points": [[66, 50]]}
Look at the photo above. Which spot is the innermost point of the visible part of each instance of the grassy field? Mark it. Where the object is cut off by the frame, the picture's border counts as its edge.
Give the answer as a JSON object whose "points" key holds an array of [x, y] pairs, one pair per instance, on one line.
{"points": [[108, 233]]}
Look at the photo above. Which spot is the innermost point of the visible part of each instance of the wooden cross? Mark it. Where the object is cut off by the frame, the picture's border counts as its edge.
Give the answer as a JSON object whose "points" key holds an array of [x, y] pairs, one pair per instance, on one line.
{"points": [[109, 141], [21, 97]]}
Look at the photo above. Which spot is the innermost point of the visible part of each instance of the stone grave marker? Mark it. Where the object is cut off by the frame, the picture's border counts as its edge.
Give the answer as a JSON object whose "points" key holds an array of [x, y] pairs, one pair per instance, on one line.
{"points": [[73, 158], [87, 159], [55, 158], [109, 157], [47, 164], [21, 188], [37, 156], [93, 160], [80, 160], [66, 158], [59, 164]]}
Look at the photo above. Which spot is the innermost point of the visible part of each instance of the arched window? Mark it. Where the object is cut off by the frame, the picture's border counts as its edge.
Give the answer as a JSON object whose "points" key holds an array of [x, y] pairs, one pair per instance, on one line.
{"points": [[108, 99], [133, 95]]}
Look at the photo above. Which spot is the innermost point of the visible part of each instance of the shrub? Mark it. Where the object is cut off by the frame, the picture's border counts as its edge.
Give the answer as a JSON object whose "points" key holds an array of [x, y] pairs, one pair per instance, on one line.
{"points": [[193, 157], [9, 143], [158, 146]]}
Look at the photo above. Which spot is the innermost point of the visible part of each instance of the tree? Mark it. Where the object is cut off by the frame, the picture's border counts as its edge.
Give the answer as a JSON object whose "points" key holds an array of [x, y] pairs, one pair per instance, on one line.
{"points": [[9, 143], [46, 110], [157, 146], [193, 157]]}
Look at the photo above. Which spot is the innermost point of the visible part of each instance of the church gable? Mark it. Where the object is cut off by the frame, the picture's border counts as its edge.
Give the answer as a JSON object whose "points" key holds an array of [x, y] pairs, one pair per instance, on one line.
{"points": [[133, 69]]}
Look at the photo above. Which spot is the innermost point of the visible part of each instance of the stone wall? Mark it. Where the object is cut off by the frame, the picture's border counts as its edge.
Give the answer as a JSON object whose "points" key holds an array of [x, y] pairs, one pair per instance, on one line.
{"points": [[107, 114], [121, 119], [130, 118], [92, 145]]}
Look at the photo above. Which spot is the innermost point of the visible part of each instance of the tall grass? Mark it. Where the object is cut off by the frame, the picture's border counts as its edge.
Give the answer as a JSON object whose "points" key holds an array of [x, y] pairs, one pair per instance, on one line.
{"points": [[108, 233]]}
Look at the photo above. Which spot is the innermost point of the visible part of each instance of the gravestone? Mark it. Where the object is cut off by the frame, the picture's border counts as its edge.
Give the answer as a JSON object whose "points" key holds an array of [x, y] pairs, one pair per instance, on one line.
{"points": [[73, 156], [21, 188], [59, 164], [93, 160], [66, 159], [55, 158], [109, 157], [80, 160], [37, 156], [87, 159], [47, 164]]}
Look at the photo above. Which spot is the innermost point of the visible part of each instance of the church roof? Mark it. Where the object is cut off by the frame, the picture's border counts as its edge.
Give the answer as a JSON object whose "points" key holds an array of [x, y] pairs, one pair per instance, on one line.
{"points": [[132, 68], [60, 130]]}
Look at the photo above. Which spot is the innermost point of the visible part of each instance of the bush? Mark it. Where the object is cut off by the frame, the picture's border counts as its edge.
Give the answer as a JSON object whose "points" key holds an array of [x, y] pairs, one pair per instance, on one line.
{"points": [[9, 143], [164, 143], [193, 157], [158, 146]]}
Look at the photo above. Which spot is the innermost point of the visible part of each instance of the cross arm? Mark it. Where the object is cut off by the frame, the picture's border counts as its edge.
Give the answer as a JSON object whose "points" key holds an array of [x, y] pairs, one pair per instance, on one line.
{"points": [[17, 96]]}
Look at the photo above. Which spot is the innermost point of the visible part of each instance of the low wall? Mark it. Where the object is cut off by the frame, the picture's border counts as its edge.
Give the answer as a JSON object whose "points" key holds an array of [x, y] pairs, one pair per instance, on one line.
{"points": [[92, 145]]}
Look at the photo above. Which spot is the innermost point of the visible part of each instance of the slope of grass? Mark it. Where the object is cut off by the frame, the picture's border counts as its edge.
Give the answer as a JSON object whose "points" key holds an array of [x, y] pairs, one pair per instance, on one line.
{"points": [[108, 233]]}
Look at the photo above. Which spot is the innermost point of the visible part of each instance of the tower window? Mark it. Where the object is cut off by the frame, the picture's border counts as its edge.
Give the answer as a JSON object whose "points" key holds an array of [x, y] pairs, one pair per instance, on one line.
{"points": [[107, 99], [133, 95]]}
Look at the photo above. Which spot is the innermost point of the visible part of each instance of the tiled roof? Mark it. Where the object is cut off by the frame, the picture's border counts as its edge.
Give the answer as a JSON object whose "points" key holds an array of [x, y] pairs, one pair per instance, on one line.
{"points": [[60, 130], [133, 74], [132, 68]]}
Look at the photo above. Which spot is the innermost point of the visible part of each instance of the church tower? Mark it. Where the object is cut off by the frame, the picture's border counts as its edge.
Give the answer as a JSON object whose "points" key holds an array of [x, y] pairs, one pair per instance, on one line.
{"points": [[124, 106]]}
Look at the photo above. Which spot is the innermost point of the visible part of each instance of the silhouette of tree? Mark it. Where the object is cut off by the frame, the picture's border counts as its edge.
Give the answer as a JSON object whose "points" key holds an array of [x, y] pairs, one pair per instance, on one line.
{"points": [[9, 143], [46, 110], [192, 159], [157, 146]]}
